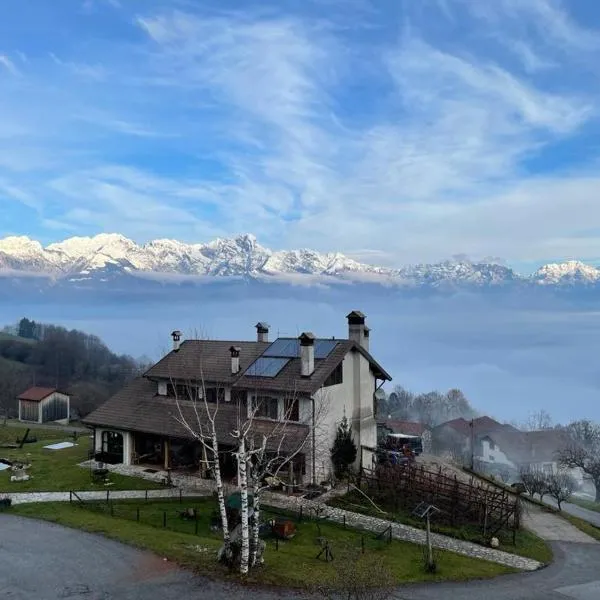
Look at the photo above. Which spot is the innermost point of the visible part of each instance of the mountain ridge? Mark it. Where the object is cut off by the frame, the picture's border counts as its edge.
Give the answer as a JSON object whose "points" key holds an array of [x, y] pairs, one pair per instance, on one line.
{"points": [[108, 255]]}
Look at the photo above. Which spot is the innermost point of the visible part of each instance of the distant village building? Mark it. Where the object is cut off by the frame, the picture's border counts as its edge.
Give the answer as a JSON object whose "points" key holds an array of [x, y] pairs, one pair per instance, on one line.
{"points": [[43, 405], [407, 428], [289, 377]]}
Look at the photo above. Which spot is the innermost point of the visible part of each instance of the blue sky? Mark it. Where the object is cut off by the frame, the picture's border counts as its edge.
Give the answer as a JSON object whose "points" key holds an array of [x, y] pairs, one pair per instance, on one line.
{"points": [[396, 131]]}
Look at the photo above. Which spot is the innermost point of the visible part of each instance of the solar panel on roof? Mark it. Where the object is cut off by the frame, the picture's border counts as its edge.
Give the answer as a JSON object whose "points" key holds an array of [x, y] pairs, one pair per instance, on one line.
{"points": [[323, 348], [285, 348], [266, 366]]}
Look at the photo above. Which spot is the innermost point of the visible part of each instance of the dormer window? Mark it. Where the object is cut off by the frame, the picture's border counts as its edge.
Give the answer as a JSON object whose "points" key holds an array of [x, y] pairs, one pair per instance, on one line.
{"points": [[183, 391]]}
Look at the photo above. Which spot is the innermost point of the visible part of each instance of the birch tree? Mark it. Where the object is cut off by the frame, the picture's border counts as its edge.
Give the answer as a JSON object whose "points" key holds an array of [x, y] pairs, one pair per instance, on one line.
{"points": [[270, 454], [201, 426]]}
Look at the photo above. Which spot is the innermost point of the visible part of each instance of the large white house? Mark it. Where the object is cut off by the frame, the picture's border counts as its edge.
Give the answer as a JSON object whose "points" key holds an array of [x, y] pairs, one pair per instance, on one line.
{"points": [[309, 382]]}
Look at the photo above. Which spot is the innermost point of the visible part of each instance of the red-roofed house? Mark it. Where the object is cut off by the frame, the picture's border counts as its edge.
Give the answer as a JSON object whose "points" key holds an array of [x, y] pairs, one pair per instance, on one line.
{"points": [[43, 405]]}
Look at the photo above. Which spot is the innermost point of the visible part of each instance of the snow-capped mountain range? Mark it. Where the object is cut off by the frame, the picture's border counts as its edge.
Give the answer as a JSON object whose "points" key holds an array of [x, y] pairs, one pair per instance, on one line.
{"points": [[110, 255]]}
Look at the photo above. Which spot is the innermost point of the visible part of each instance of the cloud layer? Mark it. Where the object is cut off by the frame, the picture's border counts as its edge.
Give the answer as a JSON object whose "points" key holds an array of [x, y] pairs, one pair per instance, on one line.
{"points": [[394, 132]]}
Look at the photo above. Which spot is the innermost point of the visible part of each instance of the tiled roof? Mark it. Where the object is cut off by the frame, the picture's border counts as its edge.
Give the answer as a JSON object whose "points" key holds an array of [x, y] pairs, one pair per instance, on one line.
{"points": [[210, 361], [137, 407], [36, 394], [481, 426]]}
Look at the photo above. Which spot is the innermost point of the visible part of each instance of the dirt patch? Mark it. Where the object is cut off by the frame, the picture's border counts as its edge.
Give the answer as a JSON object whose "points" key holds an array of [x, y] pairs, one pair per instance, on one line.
{"points": [[150, 566]]}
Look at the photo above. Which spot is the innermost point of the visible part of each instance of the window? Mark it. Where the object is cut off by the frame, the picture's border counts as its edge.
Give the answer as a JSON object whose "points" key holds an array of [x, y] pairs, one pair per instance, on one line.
{"points": [[292, 410], [239, 397], [182, 391], [215, 394], [266, 407], [336, 377]]}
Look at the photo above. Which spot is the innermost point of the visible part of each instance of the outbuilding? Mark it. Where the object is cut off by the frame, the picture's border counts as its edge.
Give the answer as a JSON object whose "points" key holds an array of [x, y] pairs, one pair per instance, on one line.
{"points": [[44, 405]]}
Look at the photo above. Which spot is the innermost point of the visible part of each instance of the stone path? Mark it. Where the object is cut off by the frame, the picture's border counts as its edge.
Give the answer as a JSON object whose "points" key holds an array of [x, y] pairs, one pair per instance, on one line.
{"points": [[552, 527], [32, 497], [401, 532], [354, 520]]}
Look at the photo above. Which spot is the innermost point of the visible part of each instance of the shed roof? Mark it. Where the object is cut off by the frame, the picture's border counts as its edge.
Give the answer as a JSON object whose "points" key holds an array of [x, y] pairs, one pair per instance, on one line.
{"points": [[36, 393]]}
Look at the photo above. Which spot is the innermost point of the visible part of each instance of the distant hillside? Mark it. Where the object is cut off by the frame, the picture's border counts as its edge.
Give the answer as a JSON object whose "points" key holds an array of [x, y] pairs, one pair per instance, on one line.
{"points": [[72, 360]]}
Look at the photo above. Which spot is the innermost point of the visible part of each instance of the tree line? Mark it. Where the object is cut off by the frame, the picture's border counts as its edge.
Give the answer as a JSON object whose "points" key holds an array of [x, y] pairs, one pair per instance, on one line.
{"points": [[431, 408], [50, 355]]}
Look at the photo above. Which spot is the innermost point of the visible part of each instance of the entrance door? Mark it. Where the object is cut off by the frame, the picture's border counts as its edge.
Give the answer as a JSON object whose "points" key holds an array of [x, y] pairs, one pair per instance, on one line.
{"points": [[112, 447]]}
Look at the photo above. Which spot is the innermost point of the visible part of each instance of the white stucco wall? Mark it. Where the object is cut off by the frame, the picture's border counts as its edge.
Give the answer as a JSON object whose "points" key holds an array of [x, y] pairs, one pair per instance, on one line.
{"points": [[331, 404], [127, 443], [354, 399], [495, 455]]}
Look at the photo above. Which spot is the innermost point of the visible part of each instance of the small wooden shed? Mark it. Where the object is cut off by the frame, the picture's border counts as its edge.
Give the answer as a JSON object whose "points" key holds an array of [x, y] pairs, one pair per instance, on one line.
{"points": [[44, 405]]}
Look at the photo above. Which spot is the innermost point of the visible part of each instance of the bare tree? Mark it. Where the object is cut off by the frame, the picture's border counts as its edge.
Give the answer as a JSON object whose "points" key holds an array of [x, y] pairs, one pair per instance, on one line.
{"points": [[272, 452], [561, 487], [198, 417], [534, 480], [582, 450], [538, 421]]}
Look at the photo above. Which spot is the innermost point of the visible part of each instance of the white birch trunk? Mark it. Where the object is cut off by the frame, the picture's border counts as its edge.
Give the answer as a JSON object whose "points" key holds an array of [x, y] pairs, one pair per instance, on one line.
{"points": [[243, 483], [255, 524], [220, 492]]}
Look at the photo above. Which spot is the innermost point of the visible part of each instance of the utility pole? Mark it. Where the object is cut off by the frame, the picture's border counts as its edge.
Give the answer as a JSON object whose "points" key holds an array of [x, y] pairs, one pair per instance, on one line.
{"points": [[471, 425]]}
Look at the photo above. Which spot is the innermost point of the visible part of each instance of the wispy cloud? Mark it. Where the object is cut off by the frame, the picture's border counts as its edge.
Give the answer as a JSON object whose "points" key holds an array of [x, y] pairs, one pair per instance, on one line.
{"points": [[392, 136], [9, 65]]}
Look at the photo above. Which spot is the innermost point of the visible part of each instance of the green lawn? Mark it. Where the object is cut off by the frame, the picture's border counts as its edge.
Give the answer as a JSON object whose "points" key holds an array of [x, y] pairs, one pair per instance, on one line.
{"points": [[526, 543], [56, 470], [293, 564]]}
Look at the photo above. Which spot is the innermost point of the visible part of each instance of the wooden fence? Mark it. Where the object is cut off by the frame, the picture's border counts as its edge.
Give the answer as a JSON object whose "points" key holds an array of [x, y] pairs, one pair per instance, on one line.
{"points": [[460, 503]]}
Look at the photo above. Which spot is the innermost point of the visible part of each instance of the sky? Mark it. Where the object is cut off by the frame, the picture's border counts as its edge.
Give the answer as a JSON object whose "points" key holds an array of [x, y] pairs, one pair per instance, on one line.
{"points": [[395, 131]]}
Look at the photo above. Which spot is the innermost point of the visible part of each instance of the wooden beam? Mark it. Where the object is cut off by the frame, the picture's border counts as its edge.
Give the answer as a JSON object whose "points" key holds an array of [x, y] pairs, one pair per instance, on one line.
{"points": [[167, 453]]}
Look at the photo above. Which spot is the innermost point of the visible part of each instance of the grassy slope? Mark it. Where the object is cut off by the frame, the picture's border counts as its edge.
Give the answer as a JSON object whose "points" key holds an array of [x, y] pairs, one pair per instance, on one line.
{"points": [[294, 564], [56, 470], [527, 543], [595, 506]]}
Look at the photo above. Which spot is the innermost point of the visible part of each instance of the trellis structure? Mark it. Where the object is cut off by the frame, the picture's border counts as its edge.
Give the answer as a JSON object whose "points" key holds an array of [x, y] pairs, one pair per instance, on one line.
{"points": [[404, 487]]}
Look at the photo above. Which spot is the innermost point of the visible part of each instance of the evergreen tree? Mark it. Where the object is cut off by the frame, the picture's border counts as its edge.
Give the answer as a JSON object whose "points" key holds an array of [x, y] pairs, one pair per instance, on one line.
{"points": [[343, 453]]}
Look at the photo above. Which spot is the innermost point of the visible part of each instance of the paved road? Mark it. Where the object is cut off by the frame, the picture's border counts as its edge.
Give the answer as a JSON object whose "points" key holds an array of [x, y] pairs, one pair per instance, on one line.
{"points": [[577, 511], [47, 562], [573, 576], [552, 527], [43, 561]]}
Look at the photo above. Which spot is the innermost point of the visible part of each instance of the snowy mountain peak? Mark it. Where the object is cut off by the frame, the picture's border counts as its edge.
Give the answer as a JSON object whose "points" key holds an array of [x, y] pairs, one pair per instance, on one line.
{"points": [[567, 272], [92, 258]]}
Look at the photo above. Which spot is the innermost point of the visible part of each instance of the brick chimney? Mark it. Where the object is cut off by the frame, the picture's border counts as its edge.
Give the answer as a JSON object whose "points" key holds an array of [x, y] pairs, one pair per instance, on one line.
{"points": [[307, 354], [176, 335], [262, 331], [357, 330], [235, 359]]}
